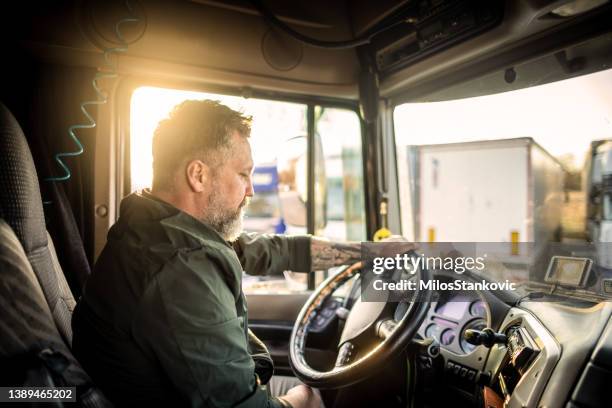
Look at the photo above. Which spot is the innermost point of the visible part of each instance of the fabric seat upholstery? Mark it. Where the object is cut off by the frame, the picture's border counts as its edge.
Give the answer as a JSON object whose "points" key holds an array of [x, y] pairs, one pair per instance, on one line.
{"points": [[26, 323], [21, 208], [27, 326]]}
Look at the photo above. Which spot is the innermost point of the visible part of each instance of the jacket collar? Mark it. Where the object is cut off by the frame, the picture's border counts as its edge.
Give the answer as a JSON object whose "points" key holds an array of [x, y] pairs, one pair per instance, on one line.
{"points": [[143, 206]]}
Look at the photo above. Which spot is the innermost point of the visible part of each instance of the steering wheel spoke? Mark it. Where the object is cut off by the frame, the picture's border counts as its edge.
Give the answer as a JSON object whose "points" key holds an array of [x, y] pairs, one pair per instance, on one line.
{"points": [[385, 328], [346, 352]]}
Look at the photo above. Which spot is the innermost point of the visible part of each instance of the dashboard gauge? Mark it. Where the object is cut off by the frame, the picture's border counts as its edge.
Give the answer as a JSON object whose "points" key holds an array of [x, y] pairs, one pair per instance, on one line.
{"points": [[478, 309], [433, 330], [477, 324], [453, 309], [447, 337]]}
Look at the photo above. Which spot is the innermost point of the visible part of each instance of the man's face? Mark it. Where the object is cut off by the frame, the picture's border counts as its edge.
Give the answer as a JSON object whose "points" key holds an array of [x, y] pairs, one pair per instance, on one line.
{"points": [[230, 189]]}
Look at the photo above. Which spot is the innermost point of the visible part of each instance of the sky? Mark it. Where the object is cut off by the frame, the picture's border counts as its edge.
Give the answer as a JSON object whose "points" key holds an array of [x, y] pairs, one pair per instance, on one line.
{"points": [[563, 117]]}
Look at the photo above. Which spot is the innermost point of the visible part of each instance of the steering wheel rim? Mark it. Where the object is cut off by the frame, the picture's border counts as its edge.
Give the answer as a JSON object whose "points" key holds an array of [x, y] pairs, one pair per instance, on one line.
{"points": [[338, 377]]}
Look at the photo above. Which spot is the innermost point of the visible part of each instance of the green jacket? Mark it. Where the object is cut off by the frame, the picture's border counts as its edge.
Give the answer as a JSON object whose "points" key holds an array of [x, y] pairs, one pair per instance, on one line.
{"points": [[163, 319]]}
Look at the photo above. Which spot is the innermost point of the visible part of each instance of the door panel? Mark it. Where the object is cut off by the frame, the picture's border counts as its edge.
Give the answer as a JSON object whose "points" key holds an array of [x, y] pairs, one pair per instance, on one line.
{"points": [[276, 307], [271, 318]]}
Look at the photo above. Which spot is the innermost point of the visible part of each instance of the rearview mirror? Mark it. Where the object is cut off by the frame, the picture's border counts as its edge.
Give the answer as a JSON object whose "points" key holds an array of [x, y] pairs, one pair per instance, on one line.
{"points": [[292, 166]]}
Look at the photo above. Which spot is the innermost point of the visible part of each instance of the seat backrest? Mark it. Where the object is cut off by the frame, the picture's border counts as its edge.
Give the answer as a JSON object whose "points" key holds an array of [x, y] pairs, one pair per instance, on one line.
{"points": [[28, 327], [26, 322], [21, 208]]}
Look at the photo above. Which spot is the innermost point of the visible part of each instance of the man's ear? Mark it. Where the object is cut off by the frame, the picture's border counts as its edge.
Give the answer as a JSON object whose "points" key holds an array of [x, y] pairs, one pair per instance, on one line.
{"points": [[197, 173]]}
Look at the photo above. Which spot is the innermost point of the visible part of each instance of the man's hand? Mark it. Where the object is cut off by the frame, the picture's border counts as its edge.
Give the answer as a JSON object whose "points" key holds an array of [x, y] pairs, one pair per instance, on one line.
{"points": [[302, 396], [327, 254], [395, 244]]}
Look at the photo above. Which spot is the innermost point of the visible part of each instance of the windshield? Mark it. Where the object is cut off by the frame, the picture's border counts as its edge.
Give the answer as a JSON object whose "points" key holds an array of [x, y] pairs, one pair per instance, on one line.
{"points": [[264, 205], [607, 206], [523, 173]]}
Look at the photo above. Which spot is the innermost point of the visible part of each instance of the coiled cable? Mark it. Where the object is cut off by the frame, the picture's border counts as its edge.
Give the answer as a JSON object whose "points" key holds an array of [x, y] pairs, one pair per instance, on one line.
{"points": [[109, 70]]}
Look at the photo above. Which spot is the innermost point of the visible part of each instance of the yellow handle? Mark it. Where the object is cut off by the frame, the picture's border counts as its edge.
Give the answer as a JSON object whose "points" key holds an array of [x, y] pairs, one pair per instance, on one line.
{"points": [[381, 234]]}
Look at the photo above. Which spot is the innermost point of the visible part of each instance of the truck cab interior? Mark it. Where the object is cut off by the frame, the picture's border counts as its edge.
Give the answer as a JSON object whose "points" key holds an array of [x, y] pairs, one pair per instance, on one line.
{"points": [[438, 120]]}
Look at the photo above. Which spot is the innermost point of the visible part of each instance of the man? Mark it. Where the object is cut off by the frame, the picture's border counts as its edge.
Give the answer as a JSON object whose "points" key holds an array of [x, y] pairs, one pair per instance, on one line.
{"points": [[163, 319]]}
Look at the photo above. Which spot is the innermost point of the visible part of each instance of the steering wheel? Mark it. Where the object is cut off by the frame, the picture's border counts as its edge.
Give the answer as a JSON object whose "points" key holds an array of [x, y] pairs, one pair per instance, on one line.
{"points": [[370, 331]]}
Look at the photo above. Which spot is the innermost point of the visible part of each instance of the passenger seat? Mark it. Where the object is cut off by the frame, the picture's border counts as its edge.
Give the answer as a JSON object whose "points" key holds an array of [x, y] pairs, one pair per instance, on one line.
{"points": [[21, 208], [35, 300]]}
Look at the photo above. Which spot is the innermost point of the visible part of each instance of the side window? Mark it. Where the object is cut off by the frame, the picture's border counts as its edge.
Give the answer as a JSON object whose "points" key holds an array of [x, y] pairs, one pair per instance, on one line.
{"points": [[279, 142], [339, 131], [338, 191]]}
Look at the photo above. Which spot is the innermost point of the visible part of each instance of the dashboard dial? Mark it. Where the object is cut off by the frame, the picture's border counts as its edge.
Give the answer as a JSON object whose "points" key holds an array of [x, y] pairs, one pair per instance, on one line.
{"points": [[478, 309], [447, 337], [433, 330]]}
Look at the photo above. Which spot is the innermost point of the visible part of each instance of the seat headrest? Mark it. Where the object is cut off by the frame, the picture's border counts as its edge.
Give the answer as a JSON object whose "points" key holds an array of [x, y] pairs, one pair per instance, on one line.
{"points": [[20, 200]]}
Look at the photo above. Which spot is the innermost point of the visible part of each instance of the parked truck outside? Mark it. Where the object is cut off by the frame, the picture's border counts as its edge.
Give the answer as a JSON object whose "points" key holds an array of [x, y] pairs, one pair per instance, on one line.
{"points": [[508, 190], [598, 191], [598, 197]]}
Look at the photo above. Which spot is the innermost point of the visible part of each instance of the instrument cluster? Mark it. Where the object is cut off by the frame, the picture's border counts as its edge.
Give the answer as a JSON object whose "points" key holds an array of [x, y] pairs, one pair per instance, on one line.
{"points": [[451, 315]]}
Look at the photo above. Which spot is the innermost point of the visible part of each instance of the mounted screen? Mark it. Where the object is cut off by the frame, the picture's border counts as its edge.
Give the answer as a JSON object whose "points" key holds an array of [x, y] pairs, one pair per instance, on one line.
{"points": [[568, 271]]}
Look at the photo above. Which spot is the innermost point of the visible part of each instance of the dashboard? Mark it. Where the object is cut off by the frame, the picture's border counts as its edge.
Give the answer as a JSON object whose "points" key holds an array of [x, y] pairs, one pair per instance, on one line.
{"points": [[531, 369], [451, 315], [554, 349]]}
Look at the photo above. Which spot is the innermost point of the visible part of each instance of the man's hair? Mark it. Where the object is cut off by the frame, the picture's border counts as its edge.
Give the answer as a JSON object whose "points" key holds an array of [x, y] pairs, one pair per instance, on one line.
{"points": [[195, 129]]}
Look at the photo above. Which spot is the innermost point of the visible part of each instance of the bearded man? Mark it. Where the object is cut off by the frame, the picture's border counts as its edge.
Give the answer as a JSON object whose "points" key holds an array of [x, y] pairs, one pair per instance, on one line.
{"points": [[163, 319]]}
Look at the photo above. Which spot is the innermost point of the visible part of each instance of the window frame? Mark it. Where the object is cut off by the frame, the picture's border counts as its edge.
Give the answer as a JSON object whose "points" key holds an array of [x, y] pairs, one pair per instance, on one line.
{"points": [[121, 154]]}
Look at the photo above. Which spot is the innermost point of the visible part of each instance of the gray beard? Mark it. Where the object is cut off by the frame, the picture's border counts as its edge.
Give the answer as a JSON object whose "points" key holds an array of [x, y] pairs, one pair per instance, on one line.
{"points": [[228, 223]]}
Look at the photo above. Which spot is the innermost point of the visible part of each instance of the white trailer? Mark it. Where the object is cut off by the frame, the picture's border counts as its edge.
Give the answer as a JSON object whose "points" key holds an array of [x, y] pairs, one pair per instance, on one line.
{"points": [[508, 190], [598, 192]]}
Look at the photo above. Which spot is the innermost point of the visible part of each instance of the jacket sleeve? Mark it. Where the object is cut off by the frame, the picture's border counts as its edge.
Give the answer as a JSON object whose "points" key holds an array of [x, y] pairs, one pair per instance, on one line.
{"points": [[269, 254], [188, 321]]}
